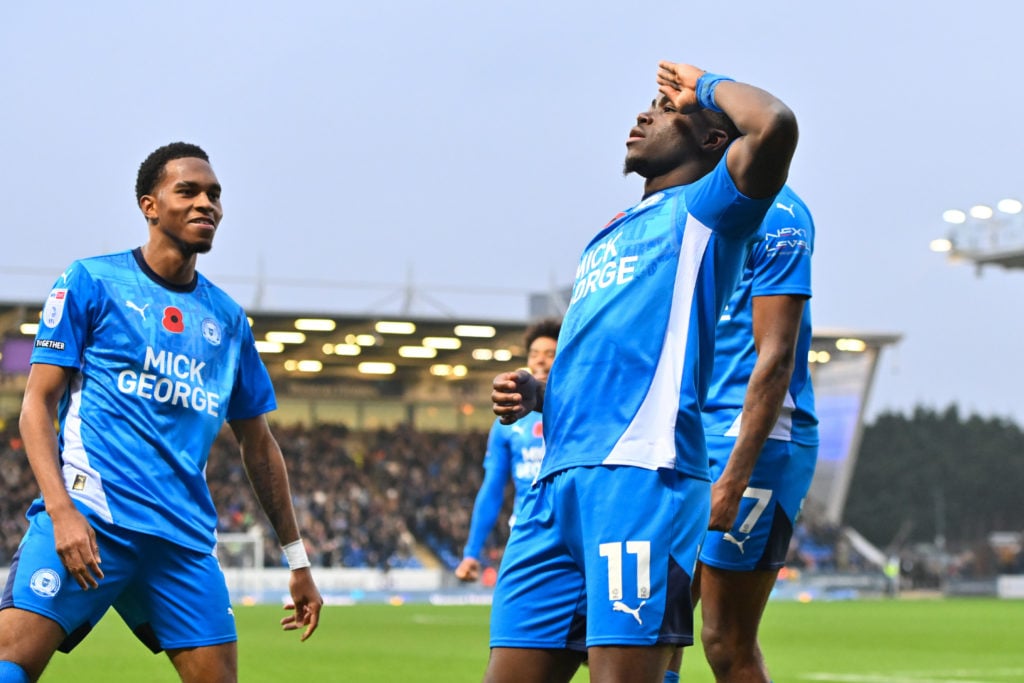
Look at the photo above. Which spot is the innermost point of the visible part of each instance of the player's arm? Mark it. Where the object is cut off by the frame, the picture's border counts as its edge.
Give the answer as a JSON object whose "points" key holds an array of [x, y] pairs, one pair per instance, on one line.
{"points": [[776, 329], [516, 394], [487, 506], [759, 159], [75, 540], [265, 467]]}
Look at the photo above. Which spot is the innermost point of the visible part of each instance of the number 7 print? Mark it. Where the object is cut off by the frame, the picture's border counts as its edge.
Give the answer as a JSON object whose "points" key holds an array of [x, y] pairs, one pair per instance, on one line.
{"points": [[762, 496]]}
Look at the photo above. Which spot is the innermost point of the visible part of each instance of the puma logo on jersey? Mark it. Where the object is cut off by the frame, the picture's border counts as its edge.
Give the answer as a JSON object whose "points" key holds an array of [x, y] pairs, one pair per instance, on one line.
{"points": [[789, 209], [65, 274], [141, 311], [732, 539], [619, 606]]}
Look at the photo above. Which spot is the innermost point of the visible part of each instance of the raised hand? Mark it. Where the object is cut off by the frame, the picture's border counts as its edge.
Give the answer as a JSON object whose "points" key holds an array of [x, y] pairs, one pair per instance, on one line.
{"points": [[678, 83]]}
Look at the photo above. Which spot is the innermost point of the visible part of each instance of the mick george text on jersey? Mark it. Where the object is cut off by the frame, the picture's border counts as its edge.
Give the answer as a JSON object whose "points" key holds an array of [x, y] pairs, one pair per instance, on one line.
{"points": [[170, 378]]}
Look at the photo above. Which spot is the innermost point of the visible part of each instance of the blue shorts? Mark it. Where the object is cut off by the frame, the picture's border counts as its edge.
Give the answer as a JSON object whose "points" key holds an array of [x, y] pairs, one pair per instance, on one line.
{"points": [[601, 556], [760, 536], [170, 596]]}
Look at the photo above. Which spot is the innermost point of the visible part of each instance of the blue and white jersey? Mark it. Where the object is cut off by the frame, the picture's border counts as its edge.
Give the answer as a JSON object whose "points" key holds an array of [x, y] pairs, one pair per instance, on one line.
{"points": [[515, 451], [636, 347], [160, 367], [779, 264]]}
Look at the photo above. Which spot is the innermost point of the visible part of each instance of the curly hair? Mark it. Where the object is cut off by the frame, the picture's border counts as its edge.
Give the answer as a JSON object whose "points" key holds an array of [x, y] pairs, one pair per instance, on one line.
{"points": [[548, 327], [151, 171]]}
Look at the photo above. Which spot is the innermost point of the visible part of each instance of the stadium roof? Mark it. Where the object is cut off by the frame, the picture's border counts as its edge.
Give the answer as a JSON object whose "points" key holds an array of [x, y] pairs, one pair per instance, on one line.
{"points": [[311, 348], [318, 347]]}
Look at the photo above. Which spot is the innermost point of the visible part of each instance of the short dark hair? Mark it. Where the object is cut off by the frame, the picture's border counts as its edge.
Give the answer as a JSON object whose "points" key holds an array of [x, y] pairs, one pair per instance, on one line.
{"points": [[721, 120], [548, 327], [151, 172]]}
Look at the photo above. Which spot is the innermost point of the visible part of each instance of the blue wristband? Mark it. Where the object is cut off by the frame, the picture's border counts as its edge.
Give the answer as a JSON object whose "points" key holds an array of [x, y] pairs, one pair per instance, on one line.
{"points": [[706, 85]]}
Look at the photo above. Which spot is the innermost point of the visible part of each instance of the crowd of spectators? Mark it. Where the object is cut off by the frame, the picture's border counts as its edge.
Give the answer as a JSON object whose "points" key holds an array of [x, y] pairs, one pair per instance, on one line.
{"points": [[386, 499], [395, 498]]}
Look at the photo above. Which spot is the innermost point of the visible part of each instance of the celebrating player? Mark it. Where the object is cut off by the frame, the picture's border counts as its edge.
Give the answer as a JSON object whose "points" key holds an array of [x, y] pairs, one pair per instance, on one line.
{"points": [[514, 451], [762, 436], [601, 558], [141, 360]]}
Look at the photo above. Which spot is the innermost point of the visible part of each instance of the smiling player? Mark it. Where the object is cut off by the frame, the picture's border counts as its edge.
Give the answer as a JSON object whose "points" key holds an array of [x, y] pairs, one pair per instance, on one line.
{"points": [[141, 360]]}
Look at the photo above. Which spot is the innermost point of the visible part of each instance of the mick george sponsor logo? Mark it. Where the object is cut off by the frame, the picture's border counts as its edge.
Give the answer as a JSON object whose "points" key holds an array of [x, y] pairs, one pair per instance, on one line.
{"points": [[602, 267], [529, 466], [173, 378]]}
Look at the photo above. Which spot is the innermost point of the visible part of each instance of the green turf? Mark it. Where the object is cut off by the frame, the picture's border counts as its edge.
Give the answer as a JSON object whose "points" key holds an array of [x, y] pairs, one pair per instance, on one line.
{"points": [[940, 641]]}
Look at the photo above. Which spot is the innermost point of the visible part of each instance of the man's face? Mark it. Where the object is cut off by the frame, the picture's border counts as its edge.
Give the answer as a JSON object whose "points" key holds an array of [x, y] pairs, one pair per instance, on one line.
{"points": [[185, 205], [662, 139], [540, 356]]}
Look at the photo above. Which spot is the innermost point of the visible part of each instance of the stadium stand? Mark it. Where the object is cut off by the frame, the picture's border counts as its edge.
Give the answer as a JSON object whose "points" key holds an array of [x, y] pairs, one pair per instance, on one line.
{"points": [[387, 499], [399, 498]]}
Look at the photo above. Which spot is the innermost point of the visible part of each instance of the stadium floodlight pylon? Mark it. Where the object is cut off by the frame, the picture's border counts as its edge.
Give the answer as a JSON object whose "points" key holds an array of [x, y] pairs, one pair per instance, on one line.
{"points": [[985, 235]]}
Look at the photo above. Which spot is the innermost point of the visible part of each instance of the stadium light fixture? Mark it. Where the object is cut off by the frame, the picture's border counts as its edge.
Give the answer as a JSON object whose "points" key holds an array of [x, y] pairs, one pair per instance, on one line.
{"points": [[443, 343], [269, 346], [315, 324], [483, 354], [285, 337], [1010, 206], [347, 349], [851, 345], [954, 216], [941, 245], [477, 331], [309, 366], [440, 370], [981, 212], [394, 327], [460, 370], [818, 356], [29, 329], [417, 352], [371, 368], [502, 355]]}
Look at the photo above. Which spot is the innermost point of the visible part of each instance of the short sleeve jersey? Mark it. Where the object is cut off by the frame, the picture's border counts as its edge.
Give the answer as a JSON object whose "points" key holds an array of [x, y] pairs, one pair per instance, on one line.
{"points": [[779, 264], [159, 368], [636, 345]]}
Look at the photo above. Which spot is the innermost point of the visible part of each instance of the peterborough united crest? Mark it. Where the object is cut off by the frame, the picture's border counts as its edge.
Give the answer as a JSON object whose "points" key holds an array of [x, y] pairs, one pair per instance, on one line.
{"points": [[211, 331], [45, 583]]}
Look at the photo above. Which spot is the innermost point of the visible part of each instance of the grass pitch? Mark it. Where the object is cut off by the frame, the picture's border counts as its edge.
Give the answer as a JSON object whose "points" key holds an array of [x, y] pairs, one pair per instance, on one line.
{"points": [[934, 641]]}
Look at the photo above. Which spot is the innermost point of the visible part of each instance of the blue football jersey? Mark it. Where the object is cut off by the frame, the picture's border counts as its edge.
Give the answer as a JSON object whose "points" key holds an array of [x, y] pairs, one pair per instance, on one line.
{"points": [[160, 367], [779, 264], [515, 451], [636, 345]]}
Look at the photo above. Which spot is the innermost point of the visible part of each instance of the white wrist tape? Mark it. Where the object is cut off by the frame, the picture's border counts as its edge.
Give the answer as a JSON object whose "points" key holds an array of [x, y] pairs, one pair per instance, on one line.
{"points": [[295, 553]]}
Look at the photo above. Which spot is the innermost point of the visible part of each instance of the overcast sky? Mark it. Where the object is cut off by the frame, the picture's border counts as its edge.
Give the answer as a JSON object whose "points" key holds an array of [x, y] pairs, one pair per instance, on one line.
{"points": [[473, 148]]}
